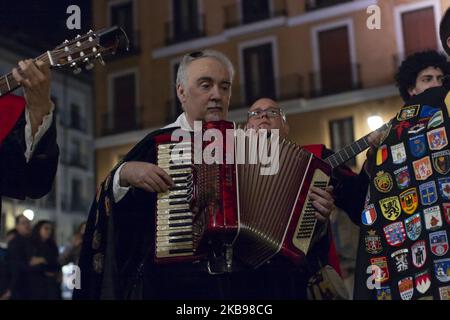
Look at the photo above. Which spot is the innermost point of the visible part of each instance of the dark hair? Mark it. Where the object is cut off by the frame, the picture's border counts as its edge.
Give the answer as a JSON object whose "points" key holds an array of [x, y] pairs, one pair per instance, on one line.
{"points": [[11, 232], [17, 218], [410, 68], [444, 31], [36, 236]]}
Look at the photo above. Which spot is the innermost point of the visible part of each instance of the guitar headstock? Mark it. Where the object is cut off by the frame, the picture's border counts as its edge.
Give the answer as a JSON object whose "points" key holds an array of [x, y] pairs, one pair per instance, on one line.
{"points": [[85, 49]]}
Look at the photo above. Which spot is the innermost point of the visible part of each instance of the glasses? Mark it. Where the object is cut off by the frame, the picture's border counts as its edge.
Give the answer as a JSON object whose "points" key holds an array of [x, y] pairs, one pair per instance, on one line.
{"points": [[196, 54], [270, 113]]}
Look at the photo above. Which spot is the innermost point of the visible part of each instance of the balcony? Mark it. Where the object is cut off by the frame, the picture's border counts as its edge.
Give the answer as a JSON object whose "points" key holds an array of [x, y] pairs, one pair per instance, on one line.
{"points": [[287, 88], [121, 123], [234, 15], [333, 82], [311, 5], [193, 28]]}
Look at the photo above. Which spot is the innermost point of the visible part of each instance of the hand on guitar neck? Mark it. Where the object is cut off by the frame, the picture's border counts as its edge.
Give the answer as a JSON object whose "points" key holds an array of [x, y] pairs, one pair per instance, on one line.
{"points": [[35, 79]]}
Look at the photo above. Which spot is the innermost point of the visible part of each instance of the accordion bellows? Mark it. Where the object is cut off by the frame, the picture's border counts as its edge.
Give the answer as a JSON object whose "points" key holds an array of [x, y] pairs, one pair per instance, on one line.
{"points": [[259, 215]]}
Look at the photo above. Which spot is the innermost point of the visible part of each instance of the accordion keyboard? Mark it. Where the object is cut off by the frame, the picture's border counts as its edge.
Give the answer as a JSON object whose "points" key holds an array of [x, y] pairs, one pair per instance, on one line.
{"points": [[174, 217]]}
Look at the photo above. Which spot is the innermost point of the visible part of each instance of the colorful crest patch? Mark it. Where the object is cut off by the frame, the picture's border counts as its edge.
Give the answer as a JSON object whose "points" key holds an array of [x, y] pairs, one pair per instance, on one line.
{"points": [[402, 177], [369, 215], [436, 120], [442, 270], [446, 208], [427, 112], [417, 145], [395, 233], [382, 154], [384, 293], [441, 161], [390, 207], [373, 242], [423, 281], [381, 263], [406, 288], [398, 153], [433, 218], [409, 200], [408, 112], [400, 258], [419, 254], [428, 193], [383, 182], [413, 227], [439, 243], [422, 169], [444, 188], [444, 293], [437, 139]]}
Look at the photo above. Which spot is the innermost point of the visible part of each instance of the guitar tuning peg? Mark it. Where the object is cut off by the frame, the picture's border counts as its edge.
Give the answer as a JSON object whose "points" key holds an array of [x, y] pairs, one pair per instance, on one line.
{"points": [[76, 70], [89, 66], [66, 41], [90, 31], [100, 58], [73, 65], [78, 36]]}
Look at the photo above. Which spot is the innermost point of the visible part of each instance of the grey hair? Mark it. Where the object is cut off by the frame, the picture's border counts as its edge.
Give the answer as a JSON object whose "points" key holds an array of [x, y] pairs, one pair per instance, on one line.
{"points": [[207, 53]]}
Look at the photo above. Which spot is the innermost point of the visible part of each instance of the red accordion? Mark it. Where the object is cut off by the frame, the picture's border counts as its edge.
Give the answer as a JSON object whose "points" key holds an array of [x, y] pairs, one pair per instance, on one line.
{"points": [[259, 215]]}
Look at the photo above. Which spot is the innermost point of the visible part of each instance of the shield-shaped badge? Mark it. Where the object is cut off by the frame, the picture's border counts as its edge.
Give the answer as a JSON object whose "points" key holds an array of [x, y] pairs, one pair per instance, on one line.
{"points": [[436, 120], [444, 293], [384, 293], [416, 128], [419, 254], [382, 270], [417, 145], [409, 200], [422, 168], [433, 218], [446, 208], [402, 177], [439, 243], [437, 139], [406, 288], [382, 154], [398, 153], [444, 187], [423, 281], [428, 193], [442, 270], [395, 233], [441, 161], [373, 242], [383, 182], [400, 258], [426, 112], [369, 215], [413, 227], [390, 207], [408, 112]]}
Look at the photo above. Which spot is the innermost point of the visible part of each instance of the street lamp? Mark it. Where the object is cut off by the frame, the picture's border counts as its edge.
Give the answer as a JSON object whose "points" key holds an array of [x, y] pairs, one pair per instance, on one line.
{"points": [[374, 122], [29, 214]]}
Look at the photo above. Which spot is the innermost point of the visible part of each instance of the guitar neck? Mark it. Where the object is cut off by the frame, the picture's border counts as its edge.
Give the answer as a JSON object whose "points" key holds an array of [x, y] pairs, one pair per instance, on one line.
{"points": [[352, 150], [9, 84]]}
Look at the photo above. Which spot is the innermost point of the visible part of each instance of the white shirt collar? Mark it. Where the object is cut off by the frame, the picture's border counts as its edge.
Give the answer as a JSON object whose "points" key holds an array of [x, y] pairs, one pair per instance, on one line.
{"points": [[181, 122]]}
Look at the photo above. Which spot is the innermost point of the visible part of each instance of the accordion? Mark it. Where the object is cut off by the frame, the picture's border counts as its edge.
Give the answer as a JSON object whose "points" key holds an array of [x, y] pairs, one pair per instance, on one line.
{"points": [[229, 199]]}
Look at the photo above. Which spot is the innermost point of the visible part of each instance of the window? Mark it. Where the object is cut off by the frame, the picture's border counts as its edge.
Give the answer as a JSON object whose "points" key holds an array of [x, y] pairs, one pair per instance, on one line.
{"points": [[259, 73], [76, 198], [342, 134], [186, 21], [124, 103], [122, 16], [76, 121], [419, 30], [319, 4], [335, 61], [255, 10]]}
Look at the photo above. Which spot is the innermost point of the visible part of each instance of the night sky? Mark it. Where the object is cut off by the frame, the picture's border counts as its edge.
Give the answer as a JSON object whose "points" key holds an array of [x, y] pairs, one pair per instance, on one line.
{"points": [[41, 23]]}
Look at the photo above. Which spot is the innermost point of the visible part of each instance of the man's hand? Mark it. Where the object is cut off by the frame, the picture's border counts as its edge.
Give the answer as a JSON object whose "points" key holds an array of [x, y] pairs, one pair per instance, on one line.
{"points": [[34, 261], [146, 176], [375, 139], [35, 79], [323, 201]]}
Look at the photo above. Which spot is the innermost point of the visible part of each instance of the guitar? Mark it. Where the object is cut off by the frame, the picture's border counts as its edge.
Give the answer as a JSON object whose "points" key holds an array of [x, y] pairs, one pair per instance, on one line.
{"points": [[82, 50], [353, 149]]}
